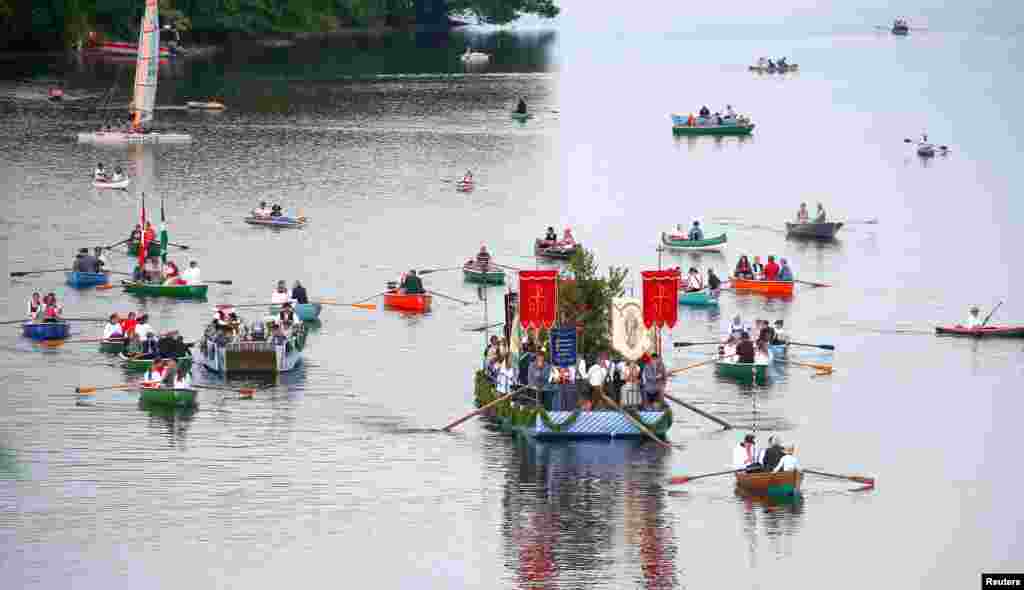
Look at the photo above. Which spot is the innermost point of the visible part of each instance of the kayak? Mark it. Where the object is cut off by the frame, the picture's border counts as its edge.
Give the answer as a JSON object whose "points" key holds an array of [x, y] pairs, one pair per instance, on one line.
{"points": [[162, 396], [491, 276], [112, 346], [774, 288], [141, 364], [820, 231], [307, 312], [987, 331], [743, 372], [45, 330], [553, 252], [697, 298], [120, 184], [713, 244], [419, 303], [278, 221], [783, 483], [176, 291], [86, 279]]}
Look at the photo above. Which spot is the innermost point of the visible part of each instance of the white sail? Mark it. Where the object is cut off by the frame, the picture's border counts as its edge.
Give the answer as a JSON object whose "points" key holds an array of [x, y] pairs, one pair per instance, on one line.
{"points": [[146, 66]]}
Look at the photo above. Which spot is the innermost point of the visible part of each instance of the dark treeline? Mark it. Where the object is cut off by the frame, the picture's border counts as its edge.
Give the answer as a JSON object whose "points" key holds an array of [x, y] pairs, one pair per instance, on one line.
{"points": [[54, 24]]}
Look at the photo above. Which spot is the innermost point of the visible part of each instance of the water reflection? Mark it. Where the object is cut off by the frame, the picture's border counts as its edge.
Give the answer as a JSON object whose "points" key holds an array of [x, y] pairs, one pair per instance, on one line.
{"points": [[775, 518], [170, 422]]}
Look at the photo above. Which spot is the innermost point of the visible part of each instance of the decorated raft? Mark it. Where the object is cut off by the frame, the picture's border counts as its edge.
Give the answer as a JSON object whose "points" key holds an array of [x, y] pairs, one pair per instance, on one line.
{"points": [[223, 351]]}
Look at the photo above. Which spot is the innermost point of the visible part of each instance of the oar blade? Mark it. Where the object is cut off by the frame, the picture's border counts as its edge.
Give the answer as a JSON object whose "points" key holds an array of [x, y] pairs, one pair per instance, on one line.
{"points": [[85, 390], [370, 306], [679, 479]]}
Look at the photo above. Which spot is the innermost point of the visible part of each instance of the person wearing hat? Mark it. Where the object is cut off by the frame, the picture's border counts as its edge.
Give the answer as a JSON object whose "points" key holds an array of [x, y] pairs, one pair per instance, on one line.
{"points": [[412, 284], [785, 273], [280, 294], [788, 461], [745, 453], [696, 233], [973, 319]]}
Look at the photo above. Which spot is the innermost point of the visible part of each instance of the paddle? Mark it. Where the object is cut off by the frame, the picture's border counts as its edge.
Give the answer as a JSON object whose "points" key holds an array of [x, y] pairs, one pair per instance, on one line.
{"points": [[222, 282], [481, 410], [83, 340], [821, 346], [682, 344], [989, 316], [36, 272], [443, 296], [482, 328], [370, 306], [430, 270], [822, 369], [643, 427], [85, 319], [88, 390], [119, 272], [372, 297], [868, 221], [869, 481], [112, 246], [695, 365], [811, 284], [182, 246], [723, 423], [681, 479]]}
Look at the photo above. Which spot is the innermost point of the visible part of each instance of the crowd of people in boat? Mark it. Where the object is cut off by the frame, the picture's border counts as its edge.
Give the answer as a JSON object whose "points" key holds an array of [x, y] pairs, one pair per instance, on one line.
{"points": [[695, 232], [101, 174], [774, 458], [262, 212], [142, 341], [766, 62], [769, 271], [167, 274], [750, 344], [705, 118], [227, 328], [551, 239], [44, 309], [636, 384], [89, 263], [804, 216], [168, 374]]}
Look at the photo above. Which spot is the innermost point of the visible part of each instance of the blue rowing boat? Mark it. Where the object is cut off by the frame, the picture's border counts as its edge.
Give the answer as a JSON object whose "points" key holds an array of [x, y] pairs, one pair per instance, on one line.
{"points": [[45, 330], [87, 279]]}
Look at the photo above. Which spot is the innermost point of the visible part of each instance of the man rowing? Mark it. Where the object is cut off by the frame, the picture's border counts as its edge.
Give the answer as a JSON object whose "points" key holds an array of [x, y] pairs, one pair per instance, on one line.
{"points": [[483, 257], [412, 284], [693, 281], [973, 318], [85, 262], [261, 211], [100, 175], [551, 237], [820, 218], [696, 233], [521, 107], [299, 294], [192, 275]]}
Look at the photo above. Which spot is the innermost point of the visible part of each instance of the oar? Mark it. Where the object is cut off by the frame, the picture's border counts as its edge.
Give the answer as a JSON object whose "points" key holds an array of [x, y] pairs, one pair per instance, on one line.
{"points": [[222, 282], [427, 271], [811, 284], [36, 272], [371, 297], [867, 221], [821, 346], [482, 328], [870, 481], [695, 365], [182, 246], [680, 479], [823, 369], [112, 246], [88, 390], [643, 427], [370, 306], [7, 322], [119, 272], [723, 423], [443, 296], [509, 267], [482, 409], [989, 316], [83, 340], [244, 392], [85, 319], [683, 344]]}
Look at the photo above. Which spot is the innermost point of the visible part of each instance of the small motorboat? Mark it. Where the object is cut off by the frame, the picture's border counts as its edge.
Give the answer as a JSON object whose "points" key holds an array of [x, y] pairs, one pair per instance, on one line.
{"points": [[282, 221], [112, 184], [210, 105], [471, 56], [982, 332]]}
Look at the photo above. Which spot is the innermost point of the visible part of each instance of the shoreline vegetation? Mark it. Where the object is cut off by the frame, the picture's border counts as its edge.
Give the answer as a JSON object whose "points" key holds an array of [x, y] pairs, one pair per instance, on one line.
{"points": [[28, 25]]}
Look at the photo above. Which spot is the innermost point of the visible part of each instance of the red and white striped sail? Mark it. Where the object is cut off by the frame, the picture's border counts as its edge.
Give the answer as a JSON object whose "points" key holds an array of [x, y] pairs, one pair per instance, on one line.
{"points": [[146, 66]]}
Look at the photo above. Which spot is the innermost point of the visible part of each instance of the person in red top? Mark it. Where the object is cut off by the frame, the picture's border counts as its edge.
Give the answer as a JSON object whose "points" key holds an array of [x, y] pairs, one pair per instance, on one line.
{"points": [[771, 270], [128, 325], [150, 233]]}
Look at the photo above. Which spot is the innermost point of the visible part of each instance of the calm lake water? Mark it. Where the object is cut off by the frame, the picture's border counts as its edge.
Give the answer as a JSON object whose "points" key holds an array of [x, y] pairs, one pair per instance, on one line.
{"points": [[335, 474]]}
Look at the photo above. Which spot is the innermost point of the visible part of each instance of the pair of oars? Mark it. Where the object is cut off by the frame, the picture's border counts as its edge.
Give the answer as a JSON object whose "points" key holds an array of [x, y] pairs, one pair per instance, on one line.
{"points": [[681, 479], [328, 301], [821, 346], [244, 392]]}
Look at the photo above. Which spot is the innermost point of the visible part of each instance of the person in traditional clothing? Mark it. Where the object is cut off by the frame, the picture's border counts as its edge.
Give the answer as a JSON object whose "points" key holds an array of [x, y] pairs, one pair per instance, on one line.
{"points": [[35, 307], [743, 270], [149, 232], [820, 218], [696, 233], [757, 268], [596, 377], [788, 461], [280, 294], [51, 309], [299, 294], [412, 284], [483, 258], [745, 454], [803, 216], [693, 281], [112, 329], [506, 378], [136, 235], [171, 274], [771, 270], [192, 275], [973, 318], [129, 324], [785, 273]]}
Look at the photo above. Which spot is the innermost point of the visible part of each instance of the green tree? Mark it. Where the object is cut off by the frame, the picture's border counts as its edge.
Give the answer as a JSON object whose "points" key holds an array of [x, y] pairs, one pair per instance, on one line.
{"points": [[585, 300]]}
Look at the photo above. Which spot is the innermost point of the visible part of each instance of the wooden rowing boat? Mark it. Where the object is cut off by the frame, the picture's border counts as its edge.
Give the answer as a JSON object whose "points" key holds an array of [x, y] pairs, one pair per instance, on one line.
{"points": [[743, 372], [46, 330], [140, 364], [418, 303], [165, 396], [555, 252], [254, 356], [783, 483], [985, 332], [112, 346], [817, 231], [713, 244], [492, 275], [771, 288], [697, 298], [81, 280], [280, 222], [176, 291]]}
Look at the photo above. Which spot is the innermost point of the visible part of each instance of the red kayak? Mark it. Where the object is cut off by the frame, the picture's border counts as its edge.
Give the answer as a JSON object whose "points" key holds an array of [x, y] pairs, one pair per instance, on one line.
{"points": [[417, 303], [1002, 331]]}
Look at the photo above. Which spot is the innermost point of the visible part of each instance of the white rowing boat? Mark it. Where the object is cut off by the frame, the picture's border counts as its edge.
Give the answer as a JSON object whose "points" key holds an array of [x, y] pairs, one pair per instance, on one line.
{"points": [[120, 184]]}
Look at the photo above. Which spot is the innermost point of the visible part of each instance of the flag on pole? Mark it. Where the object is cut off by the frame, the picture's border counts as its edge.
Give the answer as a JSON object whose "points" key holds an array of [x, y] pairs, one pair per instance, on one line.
{"points": [[143, 245], [163, 232]]}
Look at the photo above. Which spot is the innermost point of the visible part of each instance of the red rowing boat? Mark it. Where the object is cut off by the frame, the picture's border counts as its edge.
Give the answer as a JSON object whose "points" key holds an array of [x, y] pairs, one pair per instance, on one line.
{"points": [[417, 303], [1002, 331], [776, 288]]}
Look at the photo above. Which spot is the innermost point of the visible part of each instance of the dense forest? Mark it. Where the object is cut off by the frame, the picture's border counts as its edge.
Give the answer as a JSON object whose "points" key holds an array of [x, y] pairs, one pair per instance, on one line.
{"points": [[51, 24]]}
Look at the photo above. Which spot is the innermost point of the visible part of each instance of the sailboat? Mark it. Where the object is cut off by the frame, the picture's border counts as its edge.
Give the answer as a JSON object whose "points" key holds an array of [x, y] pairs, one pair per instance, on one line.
{"points": [[144, 99]]}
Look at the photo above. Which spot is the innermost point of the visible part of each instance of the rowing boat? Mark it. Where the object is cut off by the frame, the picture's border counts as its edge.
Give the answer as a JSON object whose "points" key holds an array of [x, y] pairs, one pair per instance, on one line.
{"points": [[45, 330], [419, 303], [492, 275], [704, 126], [165, 396], [282, 221], [152, 249], [783, 483], [86, 279], [112, 346], [820, 231], [743, 372], [112, 184], [697, 298], [254, 356], [522, 116], [771, 288], [176, 291], [774, 69], [140, 364], [554, 252], [707, 245], [307, 312], [983, 332], [464, 186]]}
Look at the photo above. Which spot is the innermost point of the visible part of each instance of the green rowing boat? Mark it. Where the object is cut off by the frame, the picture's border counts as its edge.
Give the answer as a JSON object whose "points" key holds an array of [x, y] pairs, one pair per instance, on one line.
{"points": [[160, 396], [113, 346], [713, 129], [139, 364], [491, 276], [709, 245], [176, 291], [743, 372]]}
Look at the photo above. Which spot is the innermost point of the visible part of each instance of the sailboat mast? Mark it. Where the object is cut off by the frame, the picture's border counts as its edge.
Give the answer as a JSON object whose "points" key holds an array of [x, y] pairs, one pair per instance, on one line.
{"points": [[146, 63]]}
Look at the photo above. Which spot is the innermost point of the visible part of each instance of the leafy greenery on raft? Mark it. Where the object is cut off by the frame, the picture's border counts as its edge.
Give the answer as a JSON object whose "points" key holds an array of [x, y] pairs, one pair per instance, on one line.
{"points": [[21, 20], [586, 301]]}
